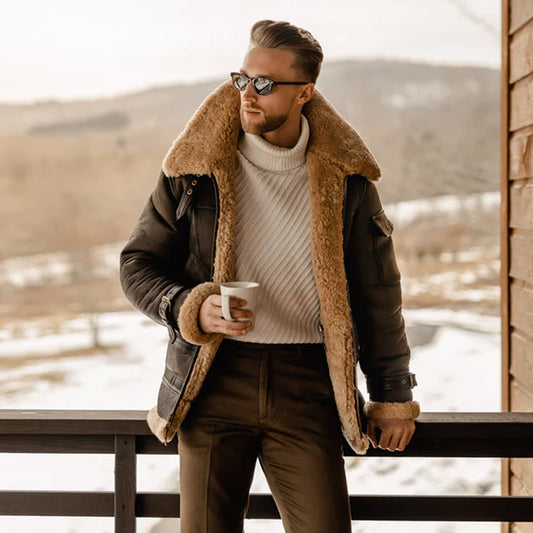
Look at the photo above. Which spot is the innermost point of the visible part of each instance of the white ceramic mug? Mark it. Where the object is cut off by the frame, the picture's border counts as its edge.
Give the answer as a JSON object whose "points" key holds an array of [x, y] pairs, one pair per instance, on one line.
{"points": [[246, 290]]}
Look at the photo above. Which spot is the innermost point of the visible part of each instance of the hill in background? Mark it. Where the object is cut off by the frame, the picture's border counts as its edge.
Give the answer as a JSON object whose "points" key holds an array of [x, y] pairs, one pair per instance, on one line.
{"points": [[75, 174]]}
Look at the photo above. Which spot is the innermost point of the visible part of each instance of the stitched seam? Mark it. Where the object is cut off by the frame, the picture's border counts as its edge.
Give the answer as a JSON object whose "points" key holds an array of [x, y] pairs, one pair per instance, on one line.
{"points": [[208, 470], [377, 255], [263, 386]]}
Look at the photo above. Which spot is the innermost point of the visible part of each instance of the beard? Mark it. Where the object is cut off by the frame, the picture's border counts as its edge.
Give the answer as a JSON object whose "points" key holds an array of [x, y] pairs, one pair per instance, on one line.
{"points": [[256, 126]]}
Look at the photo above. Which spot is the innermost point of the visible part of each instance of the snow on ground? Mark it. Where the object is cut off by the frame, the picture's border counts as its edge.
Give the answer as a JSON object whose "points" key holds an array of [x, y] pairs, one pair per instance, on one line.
{"points": [[59, 268], [455, 355], [447, 204]]}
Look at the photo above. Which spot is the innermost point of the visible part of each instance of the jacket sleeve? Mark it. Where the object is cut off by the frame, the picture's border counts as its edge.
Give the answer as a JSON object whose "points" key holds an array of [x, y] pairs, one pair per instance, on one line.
{"points": [[152, 263], [376, 304]]}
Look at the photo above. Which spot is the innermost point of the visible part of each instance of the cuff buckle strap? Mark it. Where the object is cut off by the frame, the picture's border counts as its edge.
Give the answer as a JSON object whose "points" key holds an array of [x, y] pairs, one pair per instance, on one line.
{"points": [[165, 311]]}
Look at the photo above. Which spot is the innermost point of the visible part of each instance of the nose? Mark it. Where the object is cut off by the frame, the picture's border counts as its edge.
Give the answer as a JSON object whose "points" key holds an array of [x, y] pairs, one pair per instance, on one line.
{"points": [[249, 93]]}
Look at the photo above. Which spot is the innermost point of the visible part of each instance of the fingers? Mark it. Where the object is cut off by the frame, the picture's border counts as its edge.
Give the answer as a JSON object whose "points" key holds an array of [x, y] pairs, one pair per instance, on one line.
{"points": [[385, 440], [395, 434], [212, 320], [404, 441], [235, 306], [394, 441], [230, 327], [407, 436]]}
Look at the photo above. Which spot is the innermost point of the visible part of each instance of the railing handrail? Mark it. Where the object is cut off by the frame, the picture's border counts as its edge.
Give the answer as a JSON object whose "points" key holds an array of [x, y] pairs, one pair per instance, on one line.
{"points": [[126, 434], [438, 434]]}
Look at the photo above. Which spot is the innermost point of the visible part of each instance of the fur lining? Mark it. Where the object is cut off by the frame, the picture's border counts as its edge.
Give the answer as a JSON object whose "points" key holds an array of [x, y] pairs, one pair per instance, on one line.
{"points": [[189, 311], [216, 124], [332, 287], [156, 424], [408, 409], [224, 270], [208, 145]]}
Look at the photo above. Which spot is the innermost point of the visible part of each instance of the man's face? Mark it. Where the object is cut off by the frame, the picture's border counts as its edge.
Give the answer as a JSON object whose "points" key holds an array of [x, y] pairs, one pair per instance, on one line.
{"points": [[261, 114]]}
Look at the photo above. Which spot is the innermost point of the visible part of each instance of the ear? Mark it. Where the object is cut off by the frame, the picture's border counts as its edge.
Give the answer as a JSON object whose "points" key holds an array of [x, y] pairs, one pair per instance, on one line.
{"points": [[306, 93]]}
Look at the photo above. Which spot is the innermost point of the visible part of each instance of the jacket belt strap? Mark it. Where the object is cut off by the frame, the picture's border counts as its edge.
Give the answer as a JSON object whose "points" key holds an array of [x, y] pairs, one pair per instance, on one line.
{"points": [[398, 382], [165, 310]]}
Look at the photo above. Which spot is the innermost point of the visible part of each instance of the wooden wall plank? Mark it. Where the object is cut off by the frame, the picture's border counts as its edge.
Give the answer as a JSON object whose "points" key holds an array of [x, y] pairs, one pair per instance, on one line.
{"points": [[520, 11], [518, 487], [522, 527], [521, 257], [521, 399], [522, 308], [522, 469], [520, 108], [521, 53], [522, 357], [521, 155], [521, 205]]}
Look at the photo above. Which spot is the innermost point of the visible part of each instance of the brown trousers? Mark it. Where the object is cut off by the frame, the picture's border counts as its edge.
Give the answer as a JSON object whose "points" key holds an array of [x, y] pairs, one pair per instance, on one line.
{"points": [[275, 402]]}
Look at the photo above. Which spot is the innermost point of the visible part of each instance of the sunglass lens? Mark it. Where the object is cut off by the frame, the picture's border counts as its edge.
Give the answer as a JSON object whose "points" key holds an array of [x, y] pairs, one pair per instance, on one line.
{"points": [[240, 81], [263, 86]]}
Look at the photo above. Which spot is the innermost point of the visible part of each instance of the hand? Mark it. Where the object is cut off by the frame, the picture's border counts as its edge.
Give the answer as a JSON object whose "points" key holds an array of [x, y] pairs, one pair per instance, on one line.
{"points": [[212, 320], [395, 432]]}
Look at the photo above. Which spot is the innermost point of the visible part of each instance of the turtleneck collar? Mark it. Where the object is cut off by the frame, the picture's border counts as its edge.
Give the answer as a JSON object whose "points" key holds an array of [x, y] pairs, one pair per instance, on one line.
{"points": [[271, 157]]}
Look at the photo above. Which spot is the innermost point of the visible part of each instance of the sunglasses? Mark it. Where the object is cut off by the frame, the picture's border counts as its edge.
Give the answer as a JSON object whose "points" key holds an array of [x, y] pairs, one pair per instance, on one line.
{"points": [[262, 85]]}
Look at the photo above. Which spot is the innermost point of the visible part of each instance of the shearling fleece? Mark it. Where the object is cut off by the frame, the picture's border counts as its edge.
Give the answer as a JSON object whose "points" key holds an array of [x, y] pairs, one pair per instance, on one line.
{"points": [[190, 311], [392, 409], [208, 145]]}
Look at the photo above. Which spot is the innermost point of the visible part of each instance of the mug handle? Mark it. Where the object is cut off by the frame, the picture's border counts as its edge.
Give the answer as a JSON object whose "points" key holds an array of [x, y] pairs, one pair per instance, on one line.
{"points": [[226, 311]]}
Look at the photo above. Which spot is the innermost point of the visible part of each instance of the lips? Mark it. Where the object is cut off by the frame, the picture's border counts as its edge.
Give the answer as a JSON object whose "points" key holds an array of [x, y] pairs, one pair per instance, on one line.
{"points": [[251, 111]]}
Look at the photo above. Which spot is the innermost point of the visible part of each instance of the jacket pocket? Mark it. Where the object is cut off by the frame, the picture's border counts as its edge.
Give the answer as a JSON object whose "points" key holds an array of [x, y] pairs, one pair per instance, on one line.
{"points": [[169, 395], [383, 249]]}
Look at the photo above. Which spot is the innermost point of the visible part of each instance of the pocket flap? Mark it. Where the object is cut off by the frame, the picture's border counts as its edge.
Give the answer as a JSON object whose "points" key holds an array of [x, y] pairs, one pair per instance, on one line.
{"points": [[382, 223]]}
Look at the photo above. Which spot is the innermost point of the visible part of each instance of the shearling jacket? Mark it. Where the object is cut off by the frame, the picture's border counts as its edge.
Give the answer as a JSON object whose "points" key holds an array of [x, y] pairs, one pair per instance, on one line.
{"points": [[182, 248]]}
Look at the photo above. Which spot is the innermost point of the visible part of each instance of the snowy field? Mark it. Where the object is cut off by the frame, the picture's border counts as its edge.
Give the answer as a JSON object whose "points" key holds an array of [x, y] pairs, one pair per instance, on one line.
{"points": [[55, 368]]}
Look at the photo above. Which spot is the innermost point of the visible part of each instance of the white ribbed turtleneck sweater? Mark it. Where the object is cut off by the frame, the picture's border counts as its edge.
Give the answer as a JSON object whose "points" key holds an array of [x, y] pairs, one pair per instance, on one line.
{"points": [[273, 239]]}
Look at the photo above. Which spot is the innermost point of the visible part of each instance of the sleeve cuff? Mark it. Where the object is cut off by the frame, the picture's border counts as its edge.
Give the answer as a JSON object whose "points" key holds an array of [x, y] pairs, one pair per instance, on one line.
{"points": [[189, 311], [410, 409]]}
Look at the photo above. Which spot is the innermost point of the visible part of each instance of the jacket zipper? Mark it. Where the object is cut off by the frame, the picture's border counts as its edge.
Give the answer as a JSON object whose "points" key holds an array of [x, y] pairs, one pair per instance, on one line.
{"points": [[172, 416]]}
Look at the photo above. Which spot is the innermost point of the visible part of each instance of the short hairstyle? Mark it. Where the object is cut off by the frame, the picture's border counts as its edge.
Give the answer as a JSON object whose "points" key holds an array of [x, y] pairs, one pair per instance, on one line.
{"points": [[279, 34]]}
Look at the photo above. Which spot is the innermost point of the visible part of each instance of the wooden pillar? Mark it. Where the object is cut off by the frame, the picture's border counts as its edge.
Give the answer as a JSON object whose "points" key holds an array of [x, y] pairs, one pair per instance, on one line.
{"points": [[517, 232], [504, 232]]}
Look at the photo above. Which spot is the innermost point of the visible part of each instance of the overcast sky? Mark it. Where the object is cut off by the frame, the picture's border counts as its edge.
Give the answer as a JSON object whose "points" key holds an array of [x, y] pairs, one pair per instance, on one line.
{"points": [[65, 49]]}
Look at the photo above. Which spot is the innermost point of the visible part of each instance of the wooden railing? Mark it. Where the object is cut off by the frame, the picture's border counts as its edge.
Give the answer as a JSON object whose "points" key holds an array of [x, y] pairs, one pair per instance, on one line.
{"points": [[125, 434]]}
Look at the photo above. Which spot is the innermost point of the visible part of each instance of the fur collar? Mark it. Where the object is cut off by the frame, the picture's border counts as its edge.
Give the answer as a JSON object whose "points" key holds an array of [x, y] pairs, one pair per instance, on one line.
{"points": [[212, 135]]}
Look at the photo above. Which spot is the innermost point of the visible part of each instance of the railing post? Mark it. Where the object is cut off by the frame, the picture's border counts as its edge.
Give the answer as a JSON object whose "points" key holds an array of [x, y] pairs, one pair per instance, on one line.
{"points": [[125, 483]]}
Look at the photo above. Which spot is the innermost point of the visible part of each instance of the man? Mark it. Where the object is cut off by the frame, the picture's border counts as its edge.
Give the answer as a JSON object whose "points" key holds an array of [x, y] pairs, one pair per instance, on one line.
{"points": [[269, 183]]}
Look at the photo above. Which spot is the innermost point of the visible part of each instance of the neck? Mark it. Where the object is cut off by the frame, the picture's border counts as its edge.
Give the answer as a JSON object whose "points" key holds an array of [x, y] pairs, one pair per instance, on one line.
{"points": [[269, 157], [287, 135]]}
